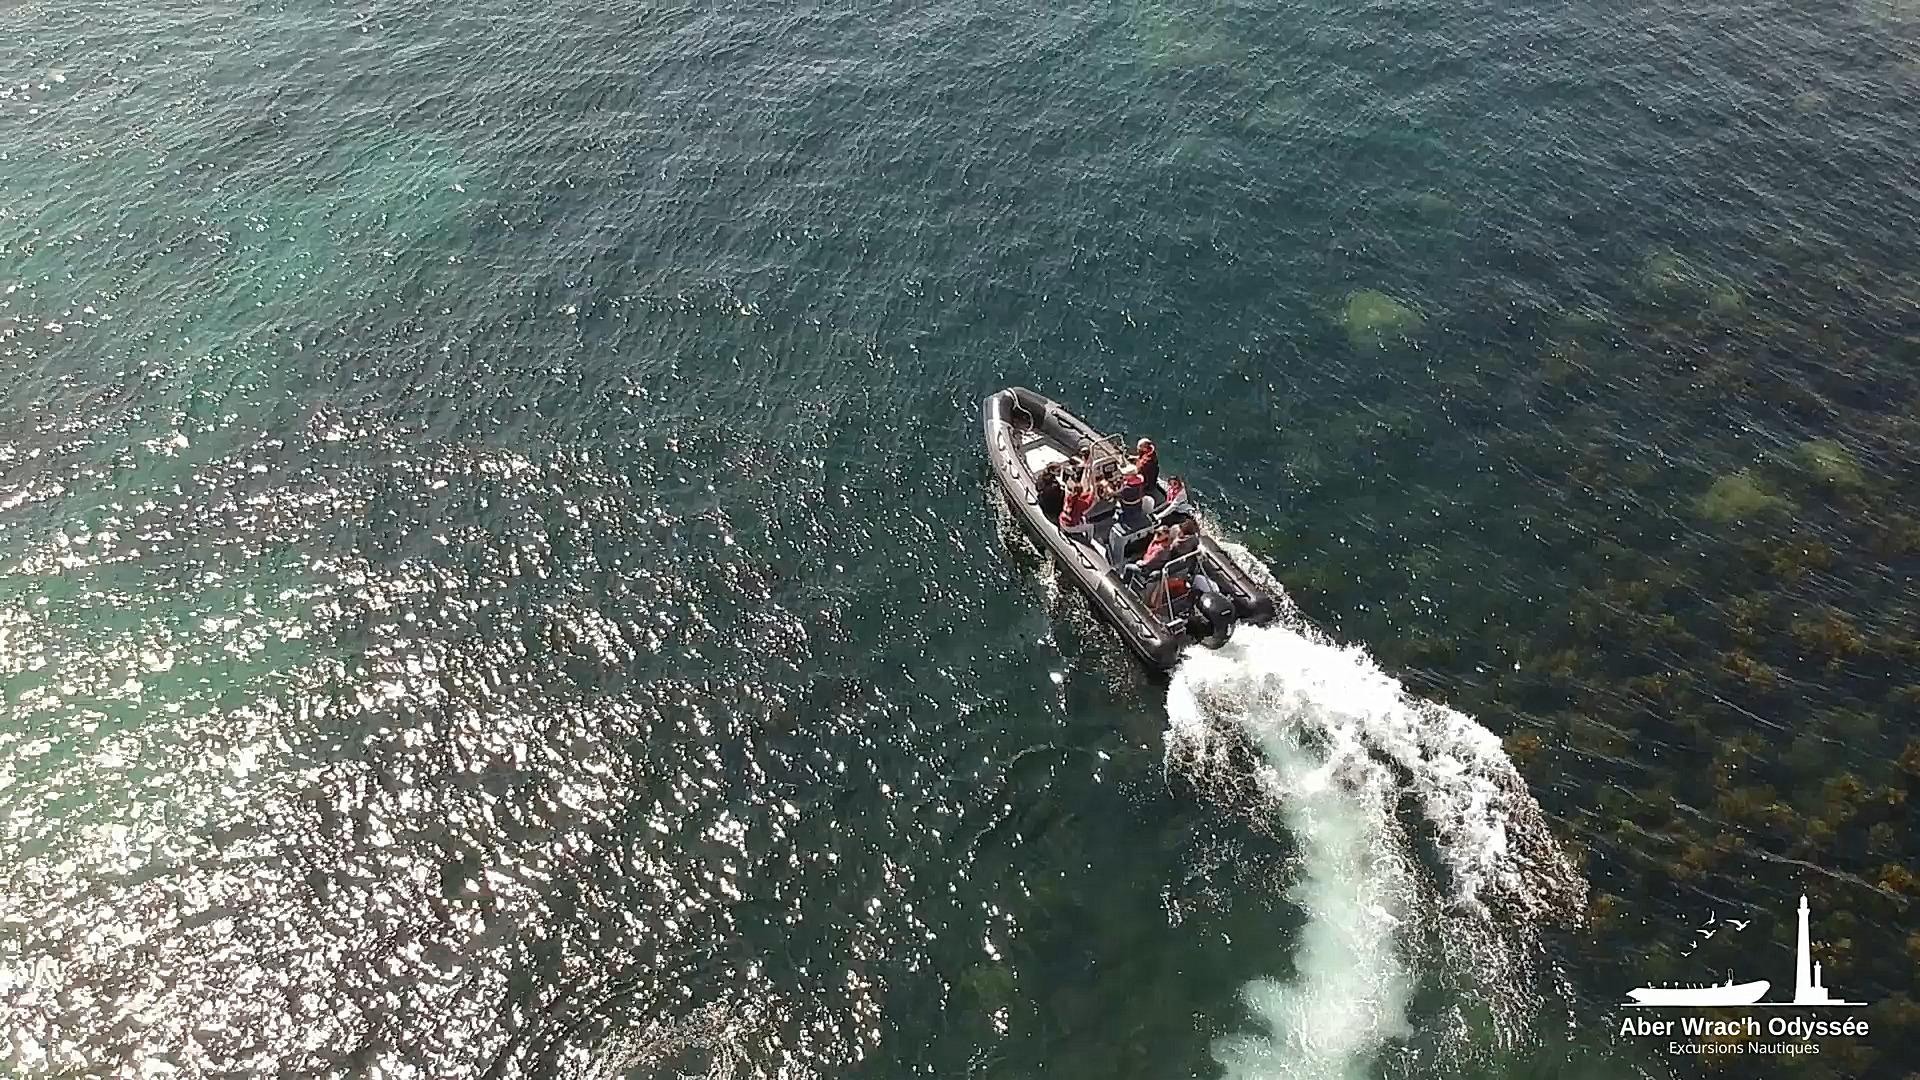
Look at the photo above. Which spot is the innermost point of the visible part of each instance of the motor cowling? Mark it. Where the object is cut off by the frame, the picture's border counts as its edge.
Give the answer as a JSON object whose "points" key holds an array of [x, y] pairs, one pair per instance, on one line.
{"points": [[1213, 620]]}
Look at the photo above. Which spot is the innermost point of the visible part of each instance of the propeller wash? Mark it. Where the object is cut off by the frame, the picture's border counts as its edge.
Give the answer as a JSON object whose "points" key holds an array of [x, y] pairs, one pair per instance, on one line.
{"points": [[1337, 748]]}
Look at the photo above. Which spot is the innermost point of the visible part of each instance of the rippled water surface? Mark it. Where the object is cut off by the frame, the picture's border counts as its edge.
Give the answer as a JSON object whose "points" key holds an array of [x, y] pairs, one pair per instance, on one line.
{"points": [[498, 578]]}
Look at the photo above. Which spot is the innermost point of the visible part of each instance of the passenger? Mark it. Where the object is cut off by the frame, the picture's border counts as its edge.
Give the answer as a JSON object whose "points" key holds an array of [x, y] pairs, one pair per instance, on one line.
{"points": [[1073, 514], [1176, 499], [1162, 540], [1147, 460], [1181, 541], [1048, 494]]}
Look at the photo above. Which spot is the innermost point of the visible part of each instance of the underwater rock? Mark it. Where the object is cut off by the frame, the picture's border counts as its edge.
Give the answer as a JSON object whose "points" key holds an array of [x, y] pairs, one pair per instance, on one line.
{"points": [[1667, 276], [1891, 14], [1170, 40], [1579, 323], [992, 984], [1897, 535], [1897, 878], [1522, 747], [1602, 912], [1275, 112], [1432, 205], [1831, 462], [1828, 633], [1267, 543], [1429, 206], [1373, 319], [1741, 496], [1724, 299], [1565, 364], [1755, 673], [1791, 558], [1431, 650], [1564, 667], [1810, 101], [1853, 727]]}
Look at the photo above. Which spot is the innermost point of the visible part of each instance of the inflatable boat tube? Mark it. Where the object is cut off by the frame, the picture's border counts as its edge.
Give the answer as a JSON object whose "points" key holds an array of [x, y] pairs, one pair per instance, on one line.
{"points": [[1026, 432]]}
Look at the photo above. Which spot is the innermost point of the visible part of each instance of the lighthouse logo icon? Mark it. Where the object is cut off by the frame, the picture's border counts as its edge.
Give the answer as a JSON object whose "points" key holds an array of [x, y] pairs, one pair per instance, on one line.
{"points": [[1808, 987]]}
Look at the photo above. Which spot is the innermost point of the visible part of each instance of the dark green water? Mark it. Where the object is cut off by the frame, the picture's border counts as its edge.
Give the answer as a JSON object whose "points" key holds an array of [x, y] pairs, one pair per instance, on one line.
{"points": [[497, 575]]}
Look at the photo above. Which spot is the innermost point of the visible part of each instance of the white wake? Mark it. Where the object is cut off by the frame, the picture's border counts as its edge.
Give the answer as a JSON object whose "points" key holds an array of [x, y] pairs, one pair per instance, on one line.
{"points": [[1338, 747]]}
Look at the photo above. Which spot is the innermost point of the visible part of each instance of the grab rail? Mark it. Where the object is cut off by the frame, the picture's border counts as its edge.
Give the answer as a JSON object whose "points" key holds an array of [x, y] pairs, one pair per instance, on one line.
{"points": [[1167, 567], [1191, 560]]}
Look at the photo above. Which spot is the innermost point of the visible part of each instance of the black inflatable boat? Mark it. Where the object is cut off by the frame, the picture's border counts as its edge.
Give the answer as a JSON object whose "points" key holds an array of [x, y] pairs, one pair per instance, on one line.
{"points": [[1197, 597]]}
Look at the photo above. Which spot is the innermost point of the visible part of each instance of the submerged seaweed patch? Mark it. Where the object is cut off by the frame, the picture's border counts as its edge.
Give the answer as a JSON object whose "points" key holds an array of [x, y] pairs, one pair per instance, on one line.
{"points": [[1831, 462], [1372, 320], [1741, 496], [1718, 707]]}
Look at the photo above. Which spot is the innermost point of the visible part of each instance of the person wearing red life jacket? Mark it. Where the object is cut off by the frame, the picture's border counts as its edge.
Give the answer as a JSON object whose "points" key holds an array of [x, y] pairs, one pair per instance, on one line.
{"points": [[1146, 460], [1162, 541], [1176, 500], [1073, 516], [1181, 540]]}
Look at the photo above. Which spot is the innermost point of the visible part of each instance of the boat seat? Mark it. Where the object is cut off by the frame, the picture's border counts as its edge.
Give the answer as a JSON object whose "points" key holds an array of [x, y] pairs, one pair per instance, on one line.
{"points": [[1182, 605], [1177, 609], [1137, 544], [1187, 566], [1146, 526]]}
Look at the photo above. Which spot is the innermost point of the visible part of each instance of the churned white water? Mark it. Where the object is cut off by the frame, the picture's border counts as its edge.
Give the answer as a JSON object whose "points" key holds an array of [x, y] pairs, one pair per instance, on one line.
{"points": [[1340, 748]]}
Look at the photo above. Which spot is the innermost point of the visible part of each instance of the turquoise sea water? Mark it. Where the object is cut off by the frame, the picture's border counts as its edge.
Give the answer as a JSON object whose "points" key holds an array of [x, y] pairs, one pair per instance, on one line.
{"points": [[497, 575]]}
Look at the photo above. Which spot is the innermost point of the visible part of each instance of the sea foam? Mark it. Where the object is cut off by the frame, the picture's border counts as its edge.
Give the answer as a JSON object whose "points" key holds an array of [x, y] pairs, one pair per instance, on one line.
{"points": [[1339, 747]]}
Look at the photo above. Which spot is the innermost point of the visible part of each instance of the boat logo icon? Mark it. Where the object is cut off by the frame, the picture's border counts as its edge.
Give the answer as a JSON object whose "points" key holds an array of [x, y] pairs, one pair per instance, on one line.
{"points": [[1808, 987]]}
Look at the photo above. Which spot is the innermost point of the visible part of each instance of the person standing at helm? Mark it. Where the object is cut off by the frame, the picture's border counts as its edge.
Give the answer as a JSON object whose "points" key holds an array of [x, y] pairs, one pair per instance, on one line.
{"points": [[1130, 513], [1130, 518], [1146, 461]]}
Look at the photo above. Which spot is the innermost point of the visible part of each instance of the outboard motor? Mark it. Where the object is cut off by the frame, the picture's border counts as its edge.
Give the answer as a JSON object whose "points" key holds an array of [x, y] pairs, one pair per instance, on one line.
{"points": [[1212, 620]]}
